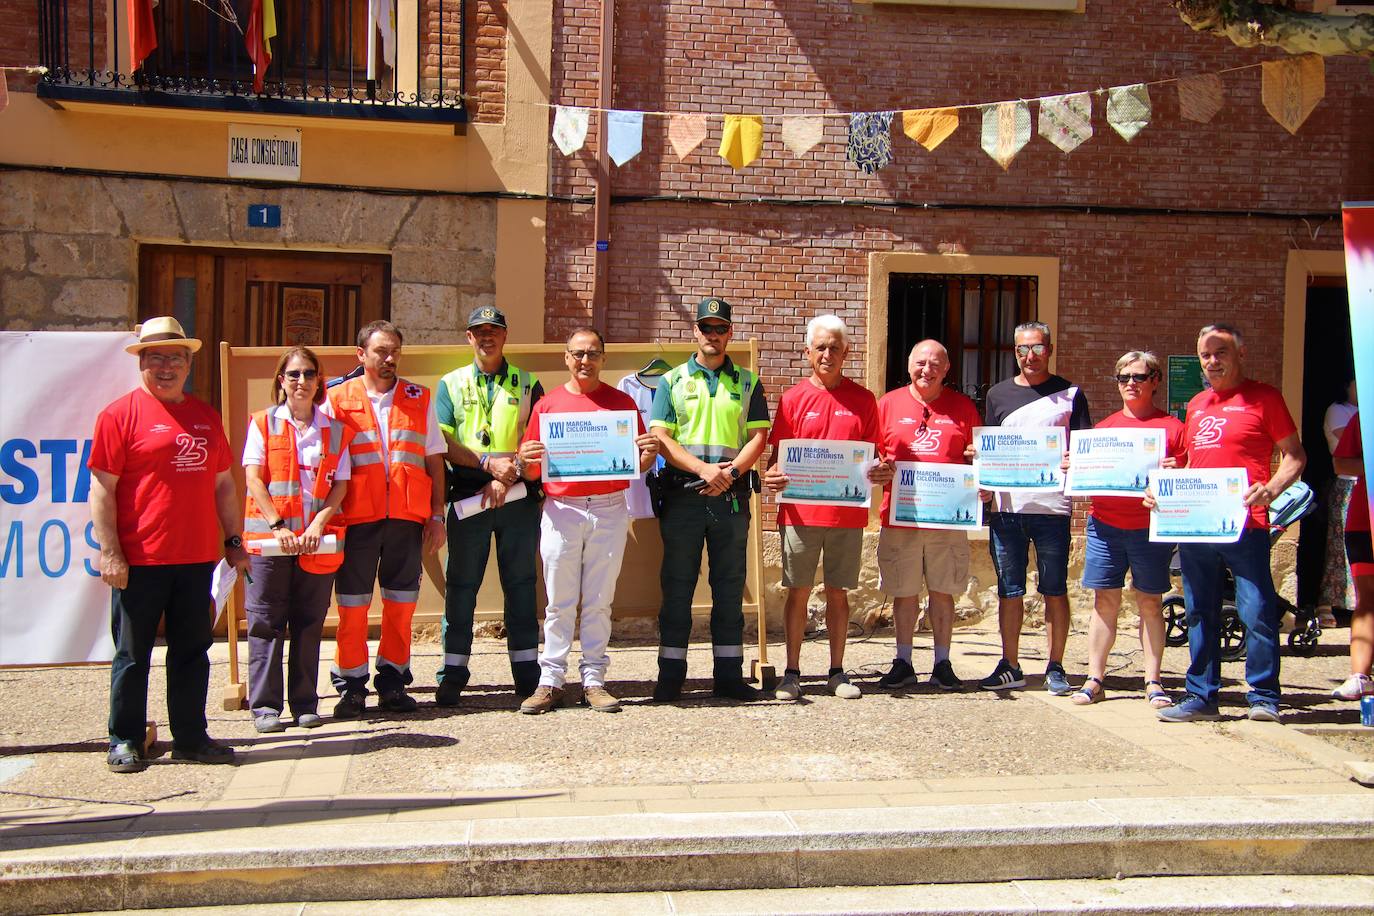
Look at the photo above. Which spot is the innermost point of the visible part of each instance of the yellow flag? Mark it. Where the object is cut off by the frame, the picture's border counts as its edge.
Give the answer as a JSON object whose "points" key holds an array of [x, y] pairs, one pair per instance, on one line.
{"points": [[269, 24], [930, 126], [742, 140], [1291, 88]]}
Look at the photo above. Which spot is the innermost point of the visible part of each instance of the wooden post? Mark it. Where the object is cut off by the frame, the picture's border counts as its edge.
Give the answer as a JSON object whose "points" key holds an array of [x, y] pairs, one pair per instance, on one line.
{"points": [[235, 693], [602, 207], [761, 671]]}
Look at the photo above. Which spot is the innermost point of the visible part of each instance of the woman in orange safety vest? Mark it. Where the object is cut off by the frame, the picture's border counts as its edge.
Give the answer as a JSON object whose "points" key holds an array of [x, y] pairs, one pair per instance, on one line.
{"points": [[297, 467]]}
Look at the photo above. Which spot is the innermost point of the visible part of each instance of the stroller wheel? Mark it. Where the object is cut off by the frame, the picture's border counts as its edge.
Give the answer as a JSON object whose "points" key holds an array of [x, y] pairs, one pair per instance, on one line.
{"points": [[1232, 634], [1303, 640], [1175, 621]]}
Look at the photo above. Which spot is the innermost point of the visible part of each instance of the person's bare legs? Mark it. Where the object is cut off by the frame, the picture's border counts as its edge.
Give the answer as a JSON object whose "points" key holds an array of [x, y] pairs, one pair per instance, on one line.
{"points": [[1056, 626], [1011, 614], [940, 611], [1102, 630], [904, 621], [836, 624], [1151, 609], [794, 624], [1362, 626]]}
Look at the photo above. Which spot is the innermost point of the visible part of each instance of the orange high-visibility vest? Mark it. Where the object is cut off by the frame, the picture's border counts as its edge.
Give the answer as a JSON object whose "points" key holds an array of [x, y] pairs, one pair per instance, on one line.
{"points": [[282, 476], [401, 487]]}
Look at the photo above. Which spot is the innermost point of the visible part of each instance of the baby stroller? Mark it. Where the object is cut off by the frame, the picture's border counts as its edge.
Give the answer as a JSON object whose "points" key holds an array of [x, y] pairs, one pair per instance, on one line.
{"points": [[1292, 505]]}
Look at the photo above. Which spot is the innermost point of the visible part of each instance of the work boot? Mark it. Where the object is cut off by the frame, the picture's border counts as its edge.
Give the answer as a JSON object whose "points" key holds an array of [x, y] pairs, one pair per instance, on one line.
{"points": [[208, 751], [600, 699], [449, 692], [350, 705], [125, 757], [397, 701], [667, 690], [734, 689], [543, 699]]}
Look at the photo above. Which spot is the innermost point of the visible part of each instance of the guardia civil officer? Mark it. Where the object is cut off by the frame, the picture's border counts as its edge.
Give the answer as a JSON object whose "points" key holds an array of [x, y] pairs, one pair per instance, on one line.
{"points": [[483, 408], [712, 421]]}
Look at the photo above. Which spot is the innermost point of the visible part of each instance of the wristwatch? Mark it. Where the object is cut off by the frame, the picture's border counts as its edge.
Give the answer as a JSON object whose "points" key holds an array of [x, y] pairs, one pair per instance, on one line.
{"points": [[519, 465], [734, 472], [233, 543], [278, 524], [437, 517]]}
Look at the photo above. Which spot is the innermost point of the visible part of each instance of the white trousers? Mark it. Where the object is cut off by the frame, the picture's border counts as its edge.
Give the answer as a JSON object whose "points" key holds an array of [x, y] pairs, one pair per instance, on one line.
{"points": [[582, 542]]}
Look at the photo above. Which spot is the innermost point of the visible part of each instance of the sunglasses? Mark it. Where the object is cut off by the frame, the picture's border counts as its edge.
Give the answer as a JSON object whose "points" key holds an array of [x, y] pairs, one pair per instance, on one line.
{"points": [[590, 355], [714, 330], [175, 361], [1027, 349], [308, 374], [925, 418], [1138, 377]]}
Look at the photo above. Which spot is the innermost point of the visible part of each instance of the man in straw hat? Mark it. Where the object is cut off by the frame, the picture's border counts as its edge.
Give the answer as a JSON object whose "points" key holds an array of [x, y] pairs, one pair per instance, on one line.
{"points": [[165, 509]]}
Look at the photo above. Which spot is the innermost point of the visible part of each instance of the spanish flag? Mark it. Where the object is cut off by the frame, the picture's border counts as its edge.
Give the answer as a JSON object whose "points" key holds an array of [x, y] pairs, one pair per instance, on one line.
{"points": [[142, 32], [262, 28]]}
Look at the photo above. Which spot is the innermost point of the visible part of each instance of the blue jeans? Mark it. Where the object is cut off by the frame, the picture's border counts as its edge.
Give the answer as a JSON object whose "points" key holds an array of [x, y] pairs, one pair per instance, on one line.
{"points": [[1010, 535], [1256, 601]]}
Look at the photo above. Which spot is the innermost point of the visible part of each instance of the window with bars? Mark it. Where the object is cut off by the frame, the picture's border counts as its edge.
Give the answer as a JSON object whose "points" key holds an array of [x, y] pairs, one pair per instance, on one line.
{"points": [[974, 316]]}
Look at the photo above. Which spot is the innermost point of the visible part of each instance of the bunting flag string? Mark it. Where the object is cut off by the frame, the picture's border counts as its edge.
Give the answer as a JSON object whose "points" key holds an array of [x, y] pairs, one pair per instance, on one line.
{"points": [[800, 135], [870, 140], [570, 129], [1067, 120], [930, 126], [1200, 97], [686, 132], [1006, 131], [625, 135], [1128, 109], [1291, 89]]}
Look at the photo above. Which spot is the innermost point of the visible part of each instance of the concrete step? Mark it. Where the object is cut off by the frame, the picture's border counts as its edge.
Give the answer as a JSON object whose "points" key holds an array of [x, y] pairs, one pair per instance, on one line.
{"points": [[1211, 894], [341, 861]]}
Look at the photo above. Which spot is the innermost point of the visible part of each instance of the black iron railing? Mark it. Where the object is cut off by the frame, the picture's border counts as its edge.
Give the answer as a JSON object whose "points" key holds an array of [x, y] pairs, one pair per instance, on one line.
{"points": [[320, 59]]}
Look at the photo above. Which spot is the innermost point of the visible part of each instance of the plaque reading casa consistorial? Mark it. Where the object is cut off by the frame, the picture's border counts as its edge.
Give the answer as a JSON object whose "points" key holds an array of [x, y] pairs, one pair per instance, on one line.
{"points": [[256, 151]]}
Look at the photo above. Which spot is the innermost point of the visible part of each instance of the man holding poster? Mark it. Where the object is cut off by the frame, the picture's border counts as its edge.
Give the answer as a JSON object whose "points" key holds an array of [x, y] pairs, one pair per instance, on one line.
{"points": [[584, 524], [1236, 423], [824, 406], [1034, 397], [923, 422]]}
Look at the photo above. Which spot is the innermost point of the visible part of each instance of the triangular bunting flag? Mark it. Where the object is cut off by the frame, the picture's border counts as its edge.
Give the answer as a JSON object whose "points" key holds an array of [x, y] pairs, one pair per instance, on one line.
{"points": [[800, 135], [930, 126], [870, 140], [742, 139], [1006, 130], [625, 135], [1128, 109], [1292, 88], [1067, 120], [1200, 97], [4, 92], [569, 128], [685, 133]]}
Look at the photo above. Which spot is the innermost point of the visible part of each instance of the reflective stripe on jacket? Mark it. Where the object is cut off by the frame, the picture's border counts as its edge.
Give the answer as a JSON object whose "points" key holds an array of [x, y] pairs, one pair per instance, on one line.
{"points": [[400, 488]]}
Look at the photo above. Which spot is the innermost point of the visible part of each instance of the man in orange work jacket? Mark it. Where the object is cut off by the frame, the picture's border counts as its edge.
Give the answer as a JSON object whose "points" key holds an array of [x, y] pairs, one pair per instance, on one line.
{"points": [[395, 503]]}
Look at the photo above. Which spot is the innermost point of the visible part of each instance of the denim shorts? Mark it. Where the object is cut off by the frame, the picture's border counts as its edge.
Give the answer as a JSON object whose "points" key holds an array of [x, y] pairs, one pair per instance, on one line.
{"points": [[1111, 551], [1009, 540]]}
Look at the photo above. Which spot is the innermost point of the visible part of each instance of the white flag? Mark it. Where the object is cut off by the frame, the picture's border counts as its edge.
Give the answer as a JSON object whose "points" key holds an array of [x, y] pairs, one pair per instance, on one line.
{"points": [[569, 128], [383, 13]]}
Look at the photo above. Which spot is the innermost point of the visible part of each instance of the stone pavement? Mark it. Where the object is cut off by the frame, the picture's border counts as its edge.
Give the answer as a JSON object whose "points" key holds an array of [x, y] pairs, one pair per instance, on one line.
{"points": [[1240, 799]]}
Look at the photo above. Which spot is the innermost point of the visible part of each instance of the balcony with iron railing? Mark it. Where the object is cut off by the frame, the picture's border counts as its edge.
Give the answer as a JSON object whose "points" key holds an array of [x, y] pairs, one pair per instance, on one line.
{"points": [[328, 58]]}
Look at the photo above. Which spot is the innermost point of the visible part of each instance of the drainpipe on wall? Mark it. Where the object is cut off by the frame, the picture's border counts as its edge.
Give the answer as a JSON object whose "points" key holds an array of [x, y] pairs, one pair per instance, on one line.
{"points": [[602, 207]]}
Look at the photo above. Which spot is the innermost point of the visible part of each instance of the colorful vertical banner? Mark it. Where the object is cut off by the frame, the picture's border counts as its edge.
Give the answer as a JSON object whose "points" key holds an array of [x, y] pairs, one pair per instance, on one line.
{"points": [[1359, 281]]}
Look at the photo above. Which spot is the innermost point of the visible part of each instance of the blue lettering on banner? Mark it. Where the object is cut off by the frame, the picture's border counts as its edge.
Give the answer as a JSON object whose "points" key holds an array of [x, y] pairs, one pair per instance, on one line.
{"points": [[1166, 486], [1084, 446], [22, 484], [65, 540], [555, 429], [908, 478], [989, 443], [54, 547], [794, 454], [16, 536]]}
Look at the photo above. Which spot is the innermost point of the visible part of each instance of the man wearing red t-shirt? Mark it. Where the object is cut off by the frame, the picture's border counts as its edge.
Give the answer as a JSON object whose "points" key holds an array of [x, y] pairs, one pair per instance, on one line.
{"points": [[924, 421], [1237, 422], [581, 534], [161, 495], [1348, 459], [825, 405]]}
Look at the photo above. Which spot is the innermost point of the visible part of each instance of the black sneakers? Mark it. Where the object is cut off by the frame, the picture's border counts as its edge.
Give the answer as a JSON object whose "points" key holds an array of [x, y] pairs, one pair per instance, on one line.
{"points": [[944, 677], [901, 675], [1004, 677]]}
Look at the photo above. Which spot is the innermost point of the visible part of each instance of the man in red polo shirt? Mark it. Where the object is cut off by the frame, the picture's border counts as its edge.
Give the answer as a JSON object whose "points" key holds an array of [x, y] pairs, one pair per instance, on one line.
{"points": [[825, 405], [924, 421], [1236, 423]]}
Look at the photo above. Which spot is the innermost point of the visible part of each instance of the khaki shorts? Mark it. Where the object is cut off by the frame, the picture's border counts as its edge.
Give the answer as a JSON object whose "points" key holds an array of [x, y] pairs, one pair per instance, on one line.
{"points": [[802, 546], [906, 556]]}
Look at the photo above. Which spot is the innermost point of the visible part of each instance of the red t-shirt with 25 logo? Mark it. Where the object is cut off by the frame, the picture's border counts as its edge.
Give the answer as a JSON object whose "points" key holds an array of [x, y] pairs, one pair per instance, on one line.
{"points": [[912, 431], [166, 457], [1238, 428]]}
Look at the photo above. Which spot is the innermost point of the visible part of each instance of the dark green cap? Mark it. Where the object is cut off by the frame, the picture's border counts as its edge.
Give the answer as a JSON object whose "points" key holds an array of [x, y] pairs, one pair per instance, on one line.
{"points": [[486, 314], [714, 307]]}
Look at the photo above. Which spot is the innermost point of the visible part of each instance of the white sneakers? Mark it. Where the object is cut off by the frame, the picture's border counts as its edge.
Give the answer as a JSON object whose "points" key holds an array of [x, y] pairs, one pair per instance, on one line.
{"points": [[839, 686], [789, 688], [1355, 686]]}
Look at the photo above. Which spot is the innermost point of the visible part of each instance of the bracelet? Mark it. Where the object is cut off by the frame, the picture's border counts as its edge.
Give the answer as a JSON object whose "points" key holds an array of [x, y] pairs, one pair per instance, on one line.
{"points": [[482, 461], [438, 517]]}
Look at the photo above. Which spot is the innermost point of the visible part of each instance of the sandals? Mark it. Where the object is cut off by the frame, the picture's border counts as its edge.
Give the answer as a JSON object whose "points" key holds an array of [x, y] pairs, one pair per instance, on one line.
{"points": [[1155, 695], [1085, 695]]}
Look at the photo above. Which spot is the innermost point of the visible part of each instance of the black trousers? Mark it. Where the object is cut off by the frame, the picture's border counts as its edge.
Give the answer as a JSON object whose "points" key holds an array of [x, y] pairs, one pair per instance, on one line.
{"points": [[180, 594]]}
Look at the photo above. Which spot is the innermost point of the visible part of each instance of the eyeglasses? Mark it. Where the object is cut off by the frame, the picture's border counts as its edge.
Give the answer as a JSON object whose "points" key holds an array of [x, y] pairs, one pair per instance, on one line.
{"points": [[714, 330], [308, 374], [1027, 349], [1138, 377], [175, 361], [589, 355]]}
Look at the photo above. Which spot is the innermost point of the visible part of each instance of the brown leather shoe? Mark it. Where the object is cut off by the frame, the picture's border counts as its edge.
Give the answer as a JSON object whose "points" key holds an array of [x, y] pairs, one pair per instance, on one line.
{"points": [[542, 700], [600, 699]]}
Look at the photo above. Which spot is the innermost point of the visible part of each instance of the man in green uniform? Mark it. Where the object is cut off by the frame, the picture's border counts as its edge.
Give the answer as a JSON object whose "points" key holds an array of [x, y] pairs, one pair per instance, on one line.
{"points": [[483, 408], [712, 420]]}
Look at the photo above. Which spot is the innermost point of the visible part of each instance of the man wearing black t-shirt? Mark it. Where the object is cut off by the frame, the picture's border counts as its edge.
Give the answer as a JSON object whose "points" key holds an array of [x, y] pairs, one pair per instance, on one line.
{"points": [[1034, 397]]}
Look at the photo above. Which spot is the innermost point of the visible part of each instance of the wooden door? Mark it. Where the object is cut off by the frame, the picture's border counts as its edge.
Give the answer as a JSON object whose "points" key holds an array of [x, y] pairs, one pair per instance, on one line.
{"points": [[260, 299]]}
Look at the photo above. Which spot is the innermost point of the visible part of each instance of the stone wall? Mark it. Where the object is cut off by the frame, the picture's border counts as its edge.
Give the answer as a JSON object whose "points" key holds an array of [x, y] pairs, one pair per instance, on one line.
{"points": [[69, 244]]}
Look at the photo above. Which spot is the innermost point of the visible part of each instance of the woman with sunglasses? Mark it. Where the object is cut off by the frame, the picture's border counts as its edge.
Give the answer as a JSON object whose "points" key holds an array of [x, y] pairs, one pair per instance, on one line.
{"points": [[297, 468], [1118, 540]]}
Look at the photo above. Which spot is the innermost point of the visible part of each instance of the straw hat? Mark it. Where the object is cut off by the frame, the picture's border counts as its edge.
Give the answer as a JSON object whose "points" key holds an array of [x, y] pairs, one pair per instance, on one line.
{"points": [[164, 331]]}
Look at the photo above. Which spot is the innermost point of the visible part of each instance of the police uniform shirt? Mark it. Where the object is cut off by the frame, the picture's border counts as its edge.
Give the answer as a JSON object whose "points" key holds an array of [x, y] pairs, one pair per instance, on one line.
{"points": [[469, 481], [703, 386]]}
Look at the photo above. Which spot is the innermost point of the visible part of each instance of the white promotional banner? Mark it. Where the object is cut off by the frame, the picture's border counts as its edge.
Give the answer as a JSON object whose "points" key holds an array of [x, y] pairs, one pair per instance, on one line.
{"points": [[53, 607]]}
